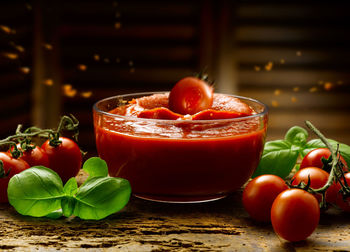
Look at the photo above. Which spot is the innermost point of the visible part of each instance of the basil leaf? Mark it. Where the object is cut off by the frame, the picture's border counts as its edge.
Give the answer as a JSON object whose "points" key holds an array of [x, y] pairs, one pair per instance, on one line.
{"points": [[101, 196], [317, 143], [95, 167], [71, 187], [55, 214], [36, 191], [279, 162], [297, 136], [278, 158], [276, 146], [68, 204]]}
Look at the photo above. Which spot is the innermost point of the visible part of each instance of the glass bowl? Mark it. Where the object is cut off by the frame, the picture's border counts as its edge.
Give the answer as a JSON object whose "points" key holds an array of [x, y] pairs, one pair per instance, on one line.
{"points": [[179, 160]]}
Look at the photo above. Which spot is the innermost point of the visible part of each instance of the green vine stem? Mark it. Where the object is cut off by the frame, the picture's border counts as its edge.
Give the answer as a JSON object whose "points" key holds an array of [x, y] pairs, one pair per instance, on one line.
{"points": [[68, 123], [336, 171]]}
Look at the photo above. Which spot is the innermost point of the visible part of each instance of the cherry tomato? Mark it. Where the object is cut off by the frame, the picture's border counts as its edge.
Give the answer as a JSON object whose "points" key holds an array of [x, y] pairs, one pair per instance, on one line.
{"points": [[343, 204], [36, 156], [65, 159], [190, 95], [295, 214], [259, 195], [15, 166], [318, 178], [332, 192], [314, 158]]}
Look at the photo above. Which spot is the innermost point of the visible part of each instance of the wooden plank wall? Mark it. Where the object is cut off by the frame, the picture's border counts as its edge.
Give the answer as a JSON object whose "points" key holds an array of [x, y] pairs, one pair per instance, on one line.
{"points": [[123, 47], [291, 55], [15, 66], [294, 56]]}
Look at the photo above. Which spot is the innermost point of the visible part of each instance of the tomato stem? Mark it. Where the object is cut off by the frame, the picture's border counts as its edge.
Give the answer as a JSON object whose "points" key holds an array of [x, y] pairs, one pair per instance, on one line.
{"points": [[24, 137], [336, 172]]}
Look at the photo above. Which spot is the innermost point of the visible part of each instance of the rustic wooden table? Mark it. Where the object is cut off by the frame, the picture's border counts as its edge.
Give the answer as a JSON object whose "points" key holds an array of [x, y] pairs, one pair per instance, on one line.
{"points": [[221, 225]]}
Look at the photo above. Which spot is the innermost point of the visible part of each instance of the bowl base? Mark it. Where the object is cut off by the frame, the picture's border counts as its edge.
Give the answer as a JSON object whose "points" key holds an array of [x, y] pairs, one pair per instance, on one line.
{"points": [[180, 199]]}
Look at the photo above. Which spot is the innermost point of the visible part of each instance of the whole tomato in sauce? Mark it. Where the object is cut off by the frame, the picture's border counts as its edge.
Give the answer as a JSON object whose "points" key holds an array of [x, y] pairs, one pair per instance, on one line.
{"points": [[190, 95]]}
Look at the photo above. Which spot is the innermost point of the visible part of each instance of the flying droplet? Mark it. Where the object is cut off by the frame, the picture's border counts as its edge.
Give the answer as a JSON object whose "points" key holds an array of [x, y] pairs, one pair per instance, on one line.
{"points": [[86, 94], [117, 25], [68, 90], [96, 57], [257, 68], [274, 103], [5, 29], [328, 86], [268, 66], [48, 82], [24, 70], [82, 67], [11, 56], [277, 92], [313, 89], [47, 46]]}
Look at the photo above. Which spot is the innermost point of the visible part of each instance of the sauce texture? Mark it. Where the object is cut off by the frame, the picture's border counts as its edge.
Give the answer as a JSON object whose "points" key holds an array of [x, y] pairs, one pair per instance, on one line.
{"points": [[180, 159]]}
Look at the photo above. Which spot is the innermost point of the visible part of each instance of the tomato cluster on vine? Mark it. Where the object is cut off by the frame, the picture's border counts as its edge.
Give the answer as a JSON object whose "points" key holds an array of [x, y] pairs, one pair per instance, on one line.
{"points": [[61, 154], [293, 207]]}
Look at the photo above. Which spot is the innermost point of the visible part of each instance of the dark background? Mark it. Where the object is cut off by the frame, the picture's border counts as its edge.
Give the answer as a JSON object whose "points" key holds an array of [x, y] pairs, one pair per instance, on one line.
{"points": [[59, 57]]}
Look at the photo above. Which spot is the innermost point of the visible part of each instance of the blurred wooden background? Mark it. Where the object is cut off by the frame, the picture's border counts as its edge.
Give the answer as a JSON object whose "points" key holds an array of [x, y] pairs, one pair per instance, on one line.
{"points": [[59, 57]]}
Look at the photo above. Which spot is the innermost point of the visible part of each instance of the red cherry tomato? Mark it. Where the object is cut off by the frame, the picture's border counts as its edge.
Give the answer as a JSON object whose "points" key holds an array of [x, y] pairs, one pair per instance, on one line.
{"points": [[65, 159], [318, 178], [259, 195], [295, 214], [343, 204], [332, 192], [15, 166], [314, 158], [36, 156], [190, 95]]}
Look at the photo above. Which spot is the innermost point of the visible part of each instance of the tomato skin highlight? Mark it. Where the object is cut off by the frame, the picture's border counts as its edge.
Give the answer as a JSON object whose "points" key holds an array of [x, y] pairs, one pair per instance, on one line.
{"points": [[15, 166], [259, 195], [190, 95], [314, 159], [295, 214], [318, 178], [65, 159]]}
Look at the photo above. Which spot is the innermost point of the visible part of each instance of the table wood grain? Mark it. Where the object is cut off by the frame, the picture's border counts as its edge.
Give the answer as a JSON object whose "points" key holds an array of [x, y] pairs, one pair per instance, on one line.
{"points": [[142, 225]]}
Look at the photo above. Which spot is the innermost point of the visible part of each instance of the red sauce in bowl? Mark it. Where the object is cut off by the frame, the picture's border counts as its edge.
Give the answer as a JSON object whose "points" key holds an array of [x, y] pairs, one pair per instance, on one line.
{"points": [[179, 159]]}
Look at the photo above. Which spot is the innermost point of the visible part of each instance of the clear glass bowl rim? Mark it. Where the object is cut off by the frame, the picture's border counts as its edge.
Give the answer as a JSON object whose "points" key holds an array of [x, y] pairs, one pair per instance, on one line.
{"points": [[142, 94]]}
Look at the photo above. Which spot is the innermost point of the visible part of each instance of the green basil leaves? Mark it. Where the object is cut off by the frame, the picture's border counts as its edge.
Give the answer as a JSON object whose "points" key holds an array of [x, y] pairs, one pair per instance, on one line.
{"points": [[38, 192], [280, 156]]}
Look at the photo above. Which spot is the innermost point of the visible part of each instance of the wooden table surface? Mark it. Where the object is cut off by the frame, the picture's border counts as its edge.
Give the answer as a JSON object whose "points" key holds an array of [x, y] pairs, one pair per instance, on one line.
{"points": [[221, 225]]}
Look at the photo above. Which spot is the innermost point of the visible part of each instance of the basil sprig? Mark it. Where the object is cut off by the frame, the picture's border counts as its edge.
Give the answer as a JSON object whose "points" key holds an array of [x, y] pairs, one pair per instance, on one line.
{"points": [[280, 156], [39, 191]]}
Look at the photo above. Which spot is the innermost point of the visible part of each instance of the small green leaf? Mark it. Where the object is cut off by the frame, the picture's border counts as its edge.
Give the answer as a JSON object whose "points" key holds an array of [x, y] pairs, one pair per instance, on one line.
{"points": [[68, 204], [36, 191], [101, 196], [95, 167], [71, 187], [297, 136]]}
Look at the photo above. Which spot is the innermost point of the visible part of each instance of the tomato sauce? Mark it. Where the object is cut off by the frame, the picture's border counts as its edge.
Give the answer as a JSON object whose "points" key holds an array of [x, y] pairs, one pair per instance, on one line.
{"points": [[180, 160]]}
